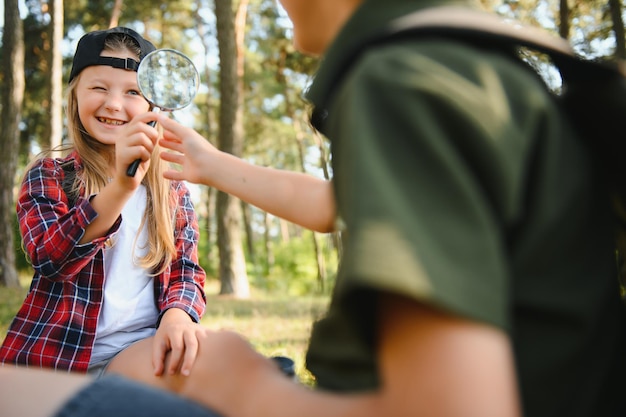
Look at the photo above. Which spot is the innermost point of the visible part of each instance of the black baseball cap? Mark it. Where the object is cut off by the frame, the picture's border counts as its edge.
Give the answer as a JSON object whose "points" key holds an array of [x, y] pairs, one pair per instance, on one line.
{"points": [[91, 45]]}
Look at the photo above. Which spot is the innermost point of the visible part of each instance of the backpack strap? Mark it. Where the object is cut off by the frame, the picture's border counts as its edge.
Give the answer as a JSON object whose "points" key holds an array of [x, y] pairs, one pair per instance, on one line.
{"points": [[478, 28], [449, 20], [483, 28]]}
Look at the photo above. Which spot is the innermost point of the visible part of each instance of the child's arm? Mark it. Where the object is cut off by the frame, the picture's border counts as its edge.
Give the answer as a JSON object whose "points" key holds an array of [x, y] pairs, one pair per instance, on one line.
{"points": [[431, 363], [293, 196]]}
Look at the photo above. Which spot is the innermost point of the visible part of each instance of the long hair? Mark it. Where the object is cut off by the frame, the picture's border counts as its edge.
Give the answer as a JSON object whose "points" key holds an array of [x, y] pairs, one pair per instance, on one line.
{"points": [[96, 157]]}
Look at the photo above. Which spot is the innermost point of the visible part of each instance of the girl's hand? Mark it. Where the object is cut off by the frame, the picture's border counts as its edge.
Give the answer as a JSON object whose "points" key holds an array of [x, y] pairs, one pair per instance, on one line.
{"points": [[177, 339], [137, 141]]}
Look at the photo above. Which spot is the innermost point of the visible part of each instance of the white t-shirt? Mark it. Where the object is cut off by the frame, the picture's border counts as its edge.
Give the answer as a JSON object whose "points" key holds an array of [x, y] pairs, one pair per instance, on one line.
{"points": [[129, 312]]}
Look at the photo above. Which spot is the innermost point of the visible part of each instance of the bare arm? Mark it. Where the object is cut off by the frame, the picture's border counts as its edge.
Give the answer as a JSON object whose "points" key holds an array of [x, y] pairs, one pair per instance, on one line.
{"points": [[432, 364], [293, 196], [30, 392], [436, 364]]}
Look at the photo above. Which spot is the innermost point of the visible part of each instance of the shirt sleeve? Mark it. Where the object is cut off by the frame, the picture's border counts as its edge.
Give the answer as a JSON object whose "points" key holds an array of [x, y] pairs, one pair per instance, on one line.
{"points": [[182, 284], [428, 175], [51, 229]]}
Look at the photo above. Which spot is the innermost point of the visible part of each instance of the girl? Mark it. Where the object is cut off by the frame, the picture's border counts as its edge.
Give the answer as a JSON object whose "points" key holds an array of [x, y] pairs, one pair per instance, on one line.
{"points": [[115, 256]]}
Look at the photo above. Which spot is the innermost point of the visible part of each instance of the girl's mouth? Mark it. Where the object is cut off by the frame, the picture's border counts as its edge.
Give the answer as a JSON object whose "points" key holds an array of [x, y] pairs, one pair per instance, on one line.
{"points": [[110, 121]]}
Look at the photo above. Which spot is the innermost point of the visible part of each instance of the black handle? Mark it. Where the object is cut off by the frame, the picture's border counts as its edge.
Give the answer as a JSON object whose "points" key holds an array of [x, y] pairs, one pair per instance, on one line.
{"points": [[132, 168]]}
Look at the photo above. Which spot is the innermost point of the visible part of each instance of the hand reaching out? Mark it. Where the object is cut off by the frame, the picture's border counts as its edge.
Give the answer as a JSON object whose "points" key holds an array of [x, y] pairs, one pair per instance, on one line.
{"points": [[294, 196], [195, 155]]}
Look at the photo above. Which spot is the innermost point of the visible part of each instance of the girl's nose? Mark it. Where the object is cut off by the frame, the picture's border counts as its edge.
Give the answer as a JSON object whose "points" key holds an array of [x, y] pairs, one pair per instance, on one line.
{"points": [[113, 102]]}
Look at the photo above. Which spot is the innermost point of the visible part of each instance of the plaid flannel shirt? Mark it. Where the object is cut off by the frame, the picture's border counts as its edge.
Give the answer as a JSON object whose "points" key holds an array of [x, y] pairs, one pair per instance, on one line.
{"points": [[56, 325]]}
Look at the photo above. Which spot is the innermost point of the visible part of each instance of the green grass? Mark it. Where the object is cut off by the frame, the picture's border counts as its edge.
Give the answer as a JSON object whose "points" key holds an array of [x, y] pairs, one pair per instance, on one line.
{"points": [[274, 324], [10, 301]]}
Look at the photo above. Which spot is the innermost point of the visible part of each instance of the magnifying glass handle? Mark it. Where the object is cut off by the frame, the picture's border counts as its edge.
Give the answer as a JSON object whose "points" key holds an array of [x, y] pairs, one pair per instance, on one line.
{"points": [[132, 168]]}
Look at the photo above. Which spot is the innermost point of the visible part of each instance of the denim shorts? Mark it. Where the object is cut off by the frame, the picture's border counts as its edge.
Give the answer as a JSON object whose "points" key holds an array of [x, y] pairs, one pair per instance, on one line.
{"points": [[112, 395]]}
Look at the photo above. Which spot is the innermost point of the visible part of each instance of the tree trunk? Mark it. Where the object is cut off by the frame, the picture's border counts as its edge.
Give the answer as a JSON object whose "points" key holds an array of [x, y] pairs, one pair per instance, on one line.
{"points": [[317, 252], [208, 131], [618, 28], [115, 14], [267, 240], [10, 115], [232, 270], [336, 239], [564, 19], [56, 73], [246, 212], [209, 204]]}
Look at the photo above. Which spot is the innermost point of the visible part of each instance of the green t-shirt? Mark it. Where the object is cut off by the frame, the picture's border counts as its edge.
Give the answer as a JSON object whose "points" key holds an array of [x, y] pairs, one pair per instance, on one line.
{"points": [[461, 186]]}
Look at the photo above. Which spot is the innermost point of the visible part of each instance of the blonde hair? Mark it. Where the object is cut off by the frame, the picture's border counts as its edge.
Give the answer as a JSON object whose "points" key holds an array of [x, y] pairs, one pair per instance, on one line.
{"points": [[96, 158]]}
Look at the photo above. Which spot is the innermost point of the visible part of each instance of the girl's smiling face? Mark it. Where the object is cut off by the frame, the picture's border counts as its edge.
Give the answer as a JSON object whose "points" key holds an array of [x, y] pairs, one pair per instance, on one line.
{"points": [[108, 98]]}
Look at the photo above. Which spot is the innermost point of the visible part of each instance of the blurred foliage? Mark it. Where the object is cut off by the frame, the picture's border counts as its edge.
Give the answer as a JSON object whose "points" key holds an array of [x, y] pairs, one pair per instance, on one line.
{"points": [[294, 271]]}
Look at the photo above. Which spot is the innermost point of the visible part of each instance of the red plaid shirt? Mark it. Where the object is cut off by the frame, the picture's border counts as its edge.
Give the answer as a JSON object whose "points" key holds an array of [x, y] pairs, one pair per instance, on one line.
{"points": [[56, 325]]}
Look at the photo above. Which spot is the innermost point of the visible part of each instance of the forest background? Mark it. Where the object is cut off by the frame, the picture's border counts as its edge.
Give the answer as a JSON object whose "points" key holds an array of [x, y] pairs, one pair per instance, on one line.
{"points": [[250, 104]]}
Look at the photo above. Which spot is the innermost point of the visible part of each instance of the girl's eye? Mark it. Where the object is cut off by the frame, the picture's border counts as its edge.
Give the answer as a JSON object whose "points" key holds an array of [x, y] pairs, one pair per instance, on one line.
{"points": [[134, 93], [98, 88]]}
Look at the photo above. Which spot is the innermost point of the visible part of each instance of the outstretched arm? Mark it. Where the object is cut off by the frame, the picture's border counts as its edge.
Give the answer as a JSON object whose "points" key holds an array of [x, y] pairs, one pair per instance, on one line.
{"points": [[297, 197], [27, 392], [431, 364]]}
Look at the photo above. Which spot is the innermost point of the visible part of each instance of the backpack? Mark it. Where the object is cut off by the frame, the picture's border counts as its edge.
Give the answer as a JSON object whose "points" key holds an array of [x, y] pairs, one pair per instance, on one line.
{"points": [[593, 93]]}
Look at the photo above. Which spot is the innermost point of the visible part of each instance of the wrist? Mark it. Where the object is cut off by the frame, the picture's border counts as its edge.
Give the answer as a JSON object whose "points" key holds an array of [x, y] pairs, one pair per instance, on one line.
{"points": [[174, 315]]}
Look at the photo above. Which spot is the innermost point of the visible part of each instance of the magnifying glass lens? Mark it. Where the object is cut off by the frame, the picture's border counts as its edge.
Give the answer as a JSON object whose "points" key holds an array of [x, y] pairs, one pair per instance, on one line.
{"points": [[169, 80]]}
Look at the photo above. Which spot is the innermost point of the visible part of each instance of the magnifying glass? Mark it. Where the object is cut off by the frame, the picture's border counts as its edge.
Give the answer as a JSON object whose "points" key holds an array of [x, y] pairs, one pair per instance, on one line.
{"points": [[169, 80]]}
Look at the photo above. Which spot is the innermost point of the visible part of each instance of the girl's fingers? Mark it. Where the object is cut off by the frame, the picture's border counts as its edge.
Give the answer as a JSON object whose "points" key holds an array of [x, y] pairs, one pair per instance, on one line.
{"points": [[159, 351], [191, 351], [174, 361]]}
